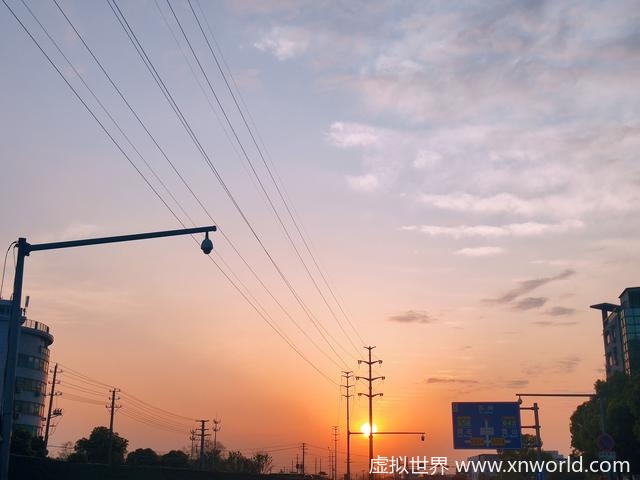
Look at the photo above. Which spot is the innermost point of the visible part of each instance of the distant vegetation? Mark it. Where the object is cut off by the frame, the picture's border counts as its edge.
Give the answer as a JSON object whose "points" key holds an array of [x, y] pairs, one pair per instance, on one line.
{"points": [[621, 402]]}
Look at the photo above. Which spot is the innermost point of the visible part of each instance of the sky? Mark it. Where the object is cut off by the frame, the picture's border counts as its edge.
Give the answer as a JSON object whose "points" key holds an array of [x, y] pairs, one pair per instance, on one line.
{"points": [[465, 174]]}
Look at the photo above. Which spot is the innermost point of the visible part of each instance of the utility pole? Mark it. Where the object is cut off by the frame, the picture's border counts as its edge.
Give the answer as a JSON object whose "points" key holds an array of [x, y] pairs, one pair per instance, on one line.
{"points": [[192, 437], [216, 428], [536, 419], [347, 375], [330, 462], [304, 451], [202, 434], [51, 413], [335, 453], [370, 395], [112, 408]]}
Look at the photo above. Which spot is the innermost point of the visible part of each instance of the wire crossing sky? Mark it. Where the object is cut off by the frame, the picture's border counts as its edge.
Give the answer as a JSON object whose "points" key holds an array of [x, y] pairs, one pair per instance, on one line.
{"points": [[453, 183]]}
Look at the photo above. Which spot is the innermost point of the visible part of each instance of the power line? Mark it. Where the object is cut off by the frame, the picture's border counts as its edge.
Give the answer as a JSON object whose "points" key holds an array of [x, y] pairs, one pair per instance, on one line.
{"points": [[221, 231], [167, 94], [285, 203], [277, 175], [81, 399], [125, 413], [90, 111], [147, 61], [233, 130]]}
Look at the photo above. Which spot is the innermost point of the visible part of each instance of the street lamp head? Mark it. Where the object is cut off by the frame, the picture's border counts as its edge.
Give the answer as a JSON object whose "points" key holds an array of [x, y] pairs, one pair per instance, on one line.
{"points": [[207, 244]]}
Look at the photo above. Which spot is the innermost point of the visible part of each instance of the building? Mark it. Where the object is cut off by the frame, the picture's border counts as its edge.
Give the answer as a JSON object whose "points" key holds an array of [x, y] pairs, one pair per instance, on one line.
{"points": [[621, 332], [31, 372]]}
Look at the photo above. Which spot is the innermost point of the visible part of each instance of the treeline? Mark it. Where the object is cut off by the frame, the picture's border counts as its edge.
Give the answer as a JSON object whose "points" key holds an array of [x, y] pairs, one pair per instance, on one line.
{"points": [[95, 449]]}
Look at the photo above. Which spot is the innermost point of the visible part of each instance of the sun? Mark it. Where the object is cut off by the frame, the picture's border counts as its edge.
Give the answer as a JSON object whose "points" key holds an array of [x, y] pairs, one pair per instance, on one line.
{"points": [[365, 429]]}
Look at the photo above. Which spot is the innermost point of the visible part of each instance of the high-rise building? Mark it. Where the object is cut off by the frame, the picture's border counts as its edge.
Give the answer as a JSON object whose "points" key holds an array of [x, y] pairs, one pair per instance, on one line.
{"points": [[621, 332], [31, 372]]}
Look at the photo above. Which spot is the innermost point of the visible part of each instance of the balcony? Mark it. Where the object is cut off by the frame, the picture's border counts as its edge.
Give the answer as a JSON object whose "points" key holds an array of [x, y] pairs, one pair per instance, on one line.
{"points": [[39, 327], [28, 323]]}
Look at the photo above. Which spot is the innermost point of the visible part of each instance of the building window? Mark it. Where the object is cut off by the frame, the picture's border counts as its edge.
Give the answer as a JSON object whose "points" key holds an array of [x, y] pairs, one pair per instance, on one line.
{"points": [[35, 363], [32, 429], [28, 408], [30, 385]]}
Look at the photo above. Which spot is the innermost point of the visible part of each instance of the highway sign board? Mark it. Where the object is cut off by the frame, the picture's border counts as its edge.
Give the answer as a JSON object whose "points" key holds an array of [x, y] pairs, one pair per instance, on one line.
{"points": [[486, 425]]}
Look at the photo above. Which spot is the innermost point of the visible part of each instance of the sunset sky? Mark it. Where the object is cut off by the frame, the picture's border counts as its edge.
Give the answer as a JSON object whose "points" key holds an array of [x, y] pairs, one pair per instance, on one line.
{"points": [[466, 174]]}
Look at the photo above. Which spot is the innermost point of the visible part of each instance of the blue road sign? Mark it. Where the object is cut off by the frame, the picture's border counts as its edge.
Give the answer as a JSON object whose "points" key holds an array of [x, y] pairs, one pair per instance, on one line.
{"points": [[486, 425]]}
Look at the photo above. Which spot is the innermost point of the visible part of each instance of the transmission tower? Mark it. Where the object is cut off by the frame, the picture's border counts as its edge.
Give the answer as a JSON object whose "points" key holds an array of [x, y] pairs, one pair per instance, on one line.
{"points": [[348, 376], [370, 379]]}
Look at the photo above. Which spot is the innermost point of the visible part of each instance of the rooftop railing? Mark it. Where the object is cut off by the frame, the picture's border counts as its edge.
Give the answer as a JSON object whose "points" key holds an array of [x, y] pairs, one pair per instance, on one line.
{"points": [[28, 323]]}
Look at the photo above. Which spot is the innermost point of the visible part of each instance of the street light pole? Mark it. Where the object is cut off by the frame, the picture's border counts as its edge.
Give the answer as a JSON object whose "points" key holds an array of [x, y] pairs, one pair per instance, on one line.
{"points": [[15, 318]]}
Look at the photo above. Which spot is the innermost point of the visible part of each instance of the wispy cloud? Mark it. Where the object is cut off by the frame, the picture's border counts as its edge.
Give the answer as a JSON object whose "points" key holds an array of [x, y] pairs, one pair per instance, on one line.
{"points": [[527, 286], [412, 316], [529, 303], [450, 380], [567, 364], [560, 311], [551, 323], [364, 183], [479, 251], [284, 42], [528, 229], [354, 135]]}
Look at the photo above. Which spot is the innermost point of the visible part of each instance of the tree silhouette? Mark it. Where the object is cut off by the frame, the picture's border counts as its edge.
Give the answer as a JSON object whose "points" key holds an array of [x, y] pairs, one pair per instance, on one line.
{"points": [[175, 458], [23, 443], [143, 456], [620, 395], [96, 448]]}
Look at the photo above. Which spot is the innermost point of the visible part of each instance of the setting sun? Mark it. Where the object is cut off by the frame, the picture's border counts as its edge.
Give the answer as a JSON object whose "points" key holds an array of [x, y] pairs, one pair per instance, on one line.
{"points": [[365, 429]]}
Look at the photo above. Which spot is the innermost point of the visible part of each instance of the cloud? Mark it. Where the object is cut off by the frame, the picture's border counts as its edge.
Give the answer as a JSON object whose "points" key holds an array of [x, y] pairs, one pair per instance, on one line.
{"points": [[528, 229], [530, 303], [551, 323], [352, 135], [567, 364], [528, 286], [516, 383], [426, 159], [364, 183], [450, 380], [412, 316], [560, 311], [499, 203], [284, 42], [479, 251]]}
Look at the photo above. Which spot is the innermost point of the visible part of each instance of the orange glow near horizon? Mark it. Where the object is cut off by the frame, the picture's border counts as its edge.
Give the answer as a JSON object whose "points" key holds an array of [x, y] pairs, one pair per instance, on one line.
{"points": [[366, 430]]}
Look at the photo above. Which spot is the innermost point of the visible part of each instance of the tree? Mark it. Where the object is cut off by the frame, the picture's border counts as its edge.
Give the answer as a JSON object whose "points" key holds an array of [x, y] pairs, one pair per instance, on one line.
{"points": [[143, 456], [263, 462], [96, 447], [66, 450], [213, 456], [236, 462], [529, 454], [24, 443], [175, 458], [21, 442], [620, 395]]}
